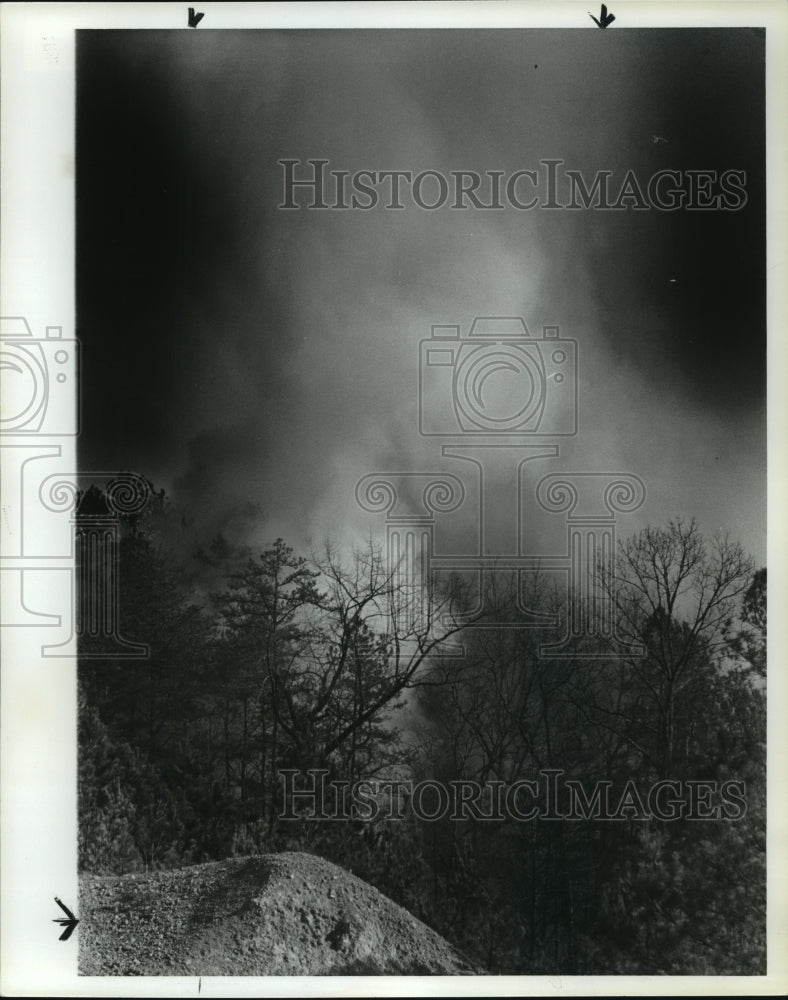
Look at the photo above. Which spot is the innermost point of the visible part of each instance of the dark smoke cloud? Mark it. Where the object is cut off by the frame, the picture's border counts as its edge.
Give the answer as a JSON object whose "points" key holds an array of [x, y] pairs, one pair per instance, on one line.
{"points": [[241, 354]]}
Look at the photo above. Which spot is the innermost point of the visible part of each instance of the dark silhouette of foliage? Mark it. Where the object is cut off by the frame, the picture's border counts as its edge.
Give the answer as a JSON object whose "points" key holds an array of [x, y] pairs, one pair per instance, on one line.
{"points": [[322, 663]]}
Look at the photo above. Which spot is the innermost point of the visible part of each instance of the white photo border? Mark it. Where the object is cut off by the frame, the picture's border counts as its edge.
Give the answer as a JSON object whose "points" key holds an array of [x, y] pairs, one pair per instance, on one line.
{"points": [[38, 722]]}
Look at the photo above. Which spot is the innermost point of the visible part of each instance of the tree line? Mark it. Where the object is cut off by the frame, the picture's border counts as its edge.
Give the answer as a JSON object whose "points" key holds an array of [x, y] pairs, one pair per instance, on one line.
{"points": [[293, 663]]}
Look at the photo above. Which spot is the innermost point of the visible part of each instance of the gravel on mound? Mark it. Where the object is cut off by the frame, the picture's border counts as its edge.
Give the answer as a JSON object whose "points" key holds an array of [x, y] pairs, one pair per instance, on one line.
{"points": [[271, 915]]}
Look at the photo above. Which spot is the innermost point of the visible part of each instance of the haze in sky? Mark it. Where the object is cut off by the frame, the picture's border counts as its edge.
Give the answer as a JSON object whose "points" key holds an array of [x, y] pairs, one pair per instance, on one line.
{"points": [[257, 361]]}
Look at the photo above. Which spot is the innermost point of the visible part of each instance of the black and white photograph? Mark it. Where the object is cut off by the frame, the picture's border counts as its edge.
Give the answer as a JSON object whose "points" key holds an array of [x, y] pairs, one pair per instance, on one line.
{"points": [[398, 454]]}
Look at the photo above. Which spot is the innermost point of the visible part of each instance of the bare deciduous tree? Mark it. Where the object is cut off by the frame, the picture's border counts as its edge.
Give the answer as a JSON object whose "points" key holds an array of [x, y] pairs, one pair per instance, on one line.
{"points": [[675, 593]]}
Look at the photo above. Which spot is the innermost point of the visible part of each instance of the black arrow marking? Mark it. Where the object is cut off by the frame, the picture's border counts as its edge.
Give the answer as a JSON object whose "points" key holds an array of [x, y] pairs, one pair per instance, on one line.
{"points": [[604, 18], [69, 924], [194, 19]]}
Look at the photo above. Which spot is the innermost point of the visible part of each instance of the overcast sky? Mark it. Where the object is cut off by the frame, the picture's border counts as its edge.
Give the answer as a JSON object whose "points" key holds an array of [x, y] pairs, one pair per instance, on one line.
{"points": [[246, 357]]}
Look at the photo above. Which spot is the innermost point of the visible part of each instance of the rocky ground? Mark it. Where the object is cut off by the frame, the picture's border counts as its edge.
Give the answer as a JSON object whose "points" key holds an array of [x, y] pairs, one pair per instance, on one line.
{"points": [[271, 915]]}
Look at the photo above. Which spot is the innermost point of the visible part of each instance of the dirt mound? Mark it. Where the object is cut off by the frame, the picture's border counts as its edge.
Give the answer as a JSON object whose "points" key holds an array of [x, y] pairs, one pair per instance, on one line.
{"points": [[273, 915]]}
